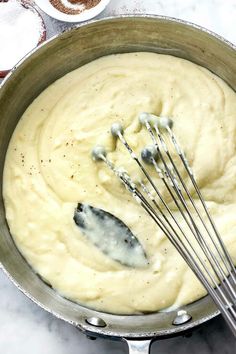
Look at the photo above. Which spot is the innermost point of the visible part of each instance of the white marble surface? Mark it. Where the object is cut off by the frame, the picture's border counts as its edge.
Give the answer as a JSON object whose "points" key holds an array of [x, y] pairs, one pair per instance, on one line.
{"points": [[25, 328]]}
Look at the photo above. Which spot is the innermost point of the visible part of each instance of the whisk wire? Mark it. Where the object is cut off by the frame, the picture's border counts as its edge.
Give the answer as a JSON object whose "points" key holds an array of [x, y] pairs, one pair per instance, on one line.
{"points": [[194, 230], [192, 178], [184, 161], [205, 253], [219, 271], [183, 250]]}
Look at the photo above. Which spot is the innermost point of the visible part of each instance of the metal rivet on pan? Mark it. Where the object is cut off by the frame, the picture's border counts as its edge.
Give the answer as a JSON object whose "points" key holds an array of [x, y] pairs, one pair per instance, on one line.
{"points": [[181, 318], [96, 321]]}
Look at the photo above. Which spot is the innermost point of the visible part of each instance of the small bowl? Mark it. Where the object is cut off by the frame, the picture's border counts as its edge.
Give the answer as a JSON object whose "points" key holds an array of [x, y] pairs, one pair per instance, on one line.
{"points": [[85, 15], [42, 37]]}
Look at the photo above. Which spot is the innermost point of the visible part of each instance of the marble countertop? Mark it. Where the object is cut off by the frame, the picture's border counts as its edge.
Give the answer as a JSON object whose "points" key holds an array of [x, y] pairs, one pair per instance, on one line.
{"points": [[27, 329]]}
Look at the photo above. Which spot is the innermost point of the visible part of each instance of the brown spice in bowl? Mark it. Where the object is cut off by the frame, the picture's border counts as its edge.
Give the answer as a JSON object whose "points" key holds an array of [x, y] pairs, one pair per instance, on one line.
{"points": [[88, 4]]}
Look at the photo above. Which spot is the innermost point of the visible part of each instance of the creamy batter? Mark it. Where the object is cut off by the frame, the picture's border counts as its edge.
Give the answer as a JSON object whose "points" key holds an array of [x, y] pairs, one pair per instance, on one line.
{"points": [[49, 169]]}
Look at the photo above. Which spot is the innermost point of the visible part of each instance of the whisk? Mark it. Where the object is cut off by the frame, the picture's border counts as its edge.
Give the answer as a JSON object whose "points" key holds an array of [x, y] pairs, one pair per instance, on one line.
{"points": [[204, 251]]}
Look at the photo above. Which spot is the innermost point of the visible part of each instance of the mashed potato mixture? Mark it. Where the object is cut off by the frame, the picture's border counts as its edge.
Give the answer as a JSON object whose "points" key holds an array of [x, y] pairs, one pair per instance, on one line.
{"points": [[49, 169]]}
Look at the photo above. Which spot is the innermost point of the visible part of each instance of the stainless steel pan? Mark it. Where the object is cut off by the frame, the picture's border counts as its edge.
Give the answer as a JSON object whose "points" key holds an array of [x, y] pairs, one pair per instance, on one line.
{"points": [[43, 66]]}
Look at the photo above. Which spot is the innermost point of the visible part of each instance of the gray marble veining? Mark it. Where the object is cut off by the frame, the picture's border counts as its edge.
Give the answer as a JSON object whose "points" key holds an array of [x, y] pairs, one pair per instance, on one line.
{"points": [[27, 329]]}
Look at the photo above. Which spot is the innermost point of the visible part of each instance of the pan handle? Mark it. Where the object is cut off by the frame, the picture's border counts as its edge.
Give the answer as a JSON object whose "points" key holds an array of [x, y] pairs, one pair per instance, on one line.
{"points": [[139, 346]]}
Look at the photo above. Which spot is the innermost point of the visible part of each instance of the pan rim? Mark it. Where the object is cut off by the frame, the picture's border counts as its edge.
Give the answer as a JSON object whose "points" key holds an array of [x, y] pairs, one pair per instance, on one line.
{"points": [[106, 332]]}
